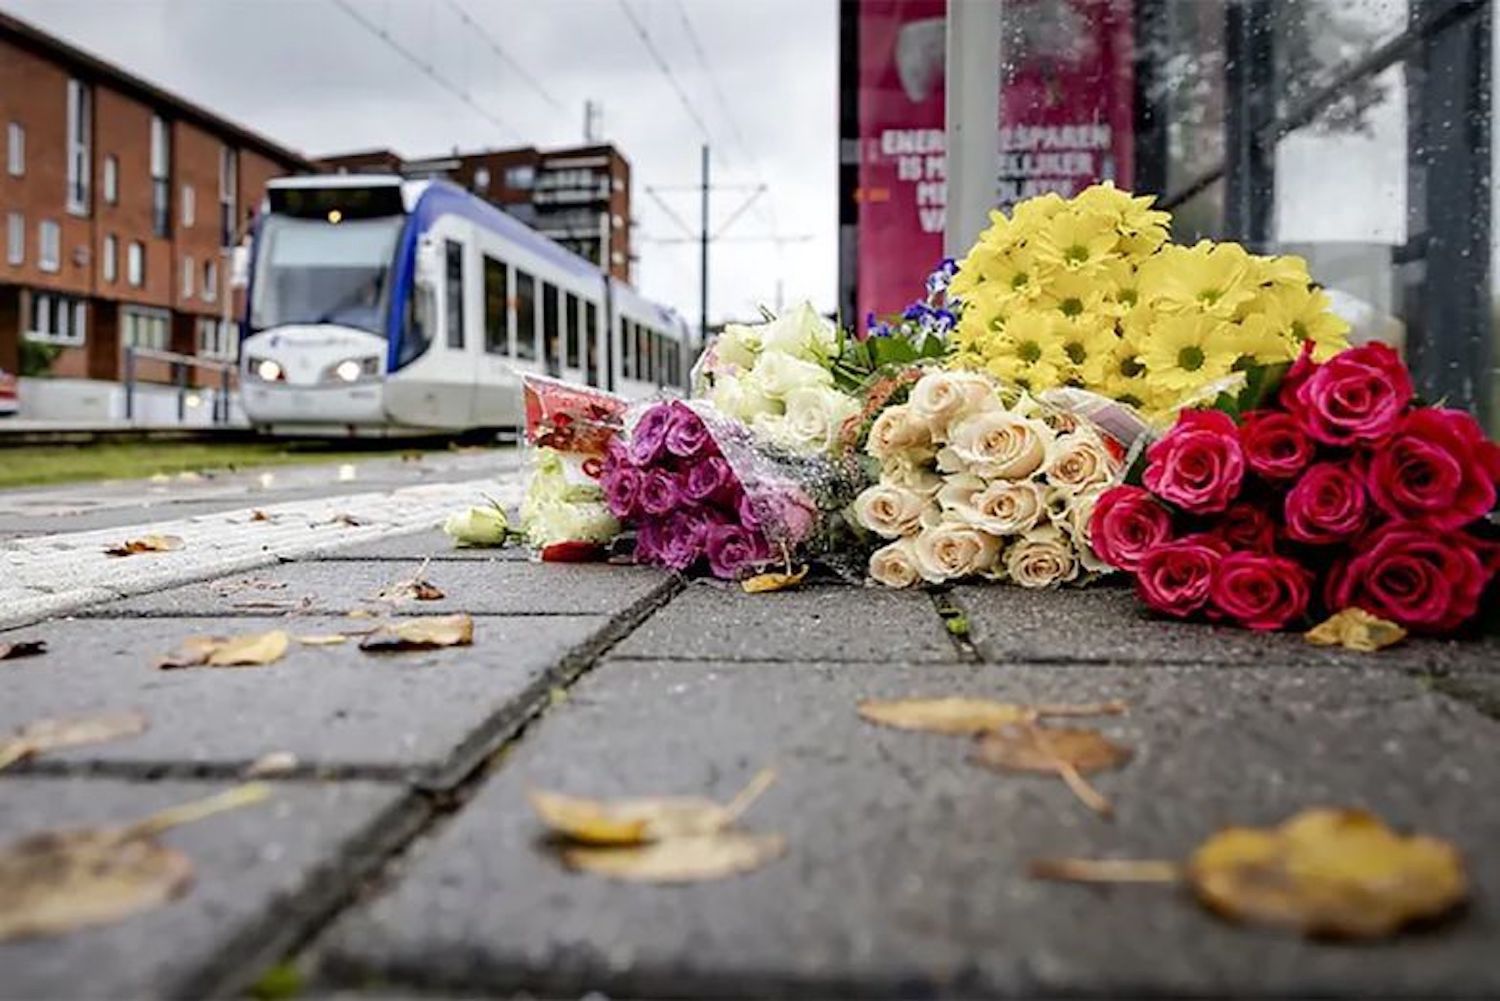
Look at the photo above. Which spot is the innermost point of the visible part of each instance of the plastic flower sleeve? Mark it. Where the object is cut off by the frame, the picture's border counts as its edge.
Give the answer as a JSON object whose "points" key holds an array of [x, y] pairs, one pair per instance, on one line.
{"points": [[568, 431]]}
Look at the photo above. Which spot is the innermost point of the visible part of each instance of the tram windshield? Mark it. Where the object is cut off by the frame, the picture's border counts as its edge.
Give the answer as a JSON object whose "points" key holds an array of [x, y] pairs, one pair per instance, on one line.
{"points": [[313, 270]]}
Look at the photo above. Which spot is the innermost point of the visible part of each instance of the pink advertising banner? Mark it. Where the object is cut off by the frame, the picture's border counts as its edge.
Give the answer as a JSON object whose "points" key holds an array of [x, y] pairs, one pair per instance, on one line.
{"points": [[1066, 121]]}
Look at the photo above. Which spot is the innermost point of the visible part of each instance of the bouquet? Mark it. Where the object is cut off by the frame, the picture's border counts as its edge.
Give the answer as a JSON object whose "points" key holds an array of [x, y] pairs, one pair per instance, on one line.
{"points": [[1088, 293], [702, 490], [569, 428], [972, 485], [1341, 494]]}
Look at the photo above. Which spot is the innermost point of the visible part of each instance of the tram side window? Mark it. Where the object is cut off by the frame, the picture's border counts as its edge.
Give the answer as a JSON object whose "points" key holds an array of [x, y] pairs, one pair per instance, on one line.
{"points": [[454, 293], [421, 317], [525, 316], [496, 308], [627, 348], [591, 342], [550, 343], [642, 355], [571, 321]]}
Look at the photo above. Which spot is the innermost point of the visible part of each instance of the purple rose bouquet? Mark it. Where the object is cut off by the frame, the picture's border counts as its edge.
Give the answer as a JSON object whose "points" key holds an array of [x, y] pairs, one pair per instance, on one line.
{"points": [[701, 491]]}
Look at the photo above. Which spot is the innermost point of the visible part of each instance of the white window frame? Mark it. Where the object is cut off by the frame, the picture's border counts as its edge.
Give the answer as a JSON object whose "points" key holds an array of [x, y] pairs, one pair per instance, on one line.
{"points": [[189, 276], [15, 149], [49, 246], [158, 336], [210, 280], [15, 238], [112, 180], [189, 206], [80, 159], [109, 259], [135, 264], [67, 319], [215, 339]]}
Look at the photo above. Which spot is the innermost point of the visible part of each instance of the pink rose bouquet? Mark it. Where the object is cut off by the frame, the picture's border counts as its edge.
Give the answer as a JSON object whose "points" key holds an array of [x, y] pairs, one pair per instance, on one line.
{"points": [[1342, 494]]}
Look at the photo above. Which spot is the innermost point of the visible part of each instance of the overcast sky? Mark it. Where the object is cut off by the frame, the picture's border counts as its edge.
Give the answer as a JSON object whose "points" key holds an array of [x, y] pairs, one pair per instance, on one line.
{"points": [[307, 74]]}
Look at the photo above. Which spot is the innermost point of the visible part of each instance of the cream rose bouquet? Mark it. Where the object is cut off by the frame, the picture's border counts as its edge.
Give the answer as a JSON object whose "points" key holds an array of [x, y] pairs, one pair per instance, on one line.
{"points": [[981, 480]]}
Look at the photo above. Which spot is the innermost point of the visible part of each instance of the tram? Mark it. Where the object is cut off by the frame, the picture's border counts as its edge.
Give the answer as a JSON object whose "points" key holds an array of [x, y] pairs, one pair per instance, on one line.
{"points": [[379, 306]]}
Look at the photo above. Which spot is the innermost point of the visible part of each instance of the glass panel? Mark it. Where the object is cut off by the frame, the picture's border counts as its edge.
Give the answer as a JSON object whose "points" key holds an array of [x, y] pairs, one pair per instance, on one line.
{"points": [[571, 321], [551, 340], [591, 343], [312, 271], [454, 293], [525, 316], [496, 308]]}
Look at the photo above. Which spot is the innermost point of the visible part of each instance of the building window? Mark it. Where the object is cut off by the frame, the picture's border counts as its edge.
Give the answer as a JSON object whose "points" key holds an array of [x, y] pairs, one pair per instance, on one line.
{"points": [[216, 339], [570, 325], [109, 259], [189, 276], [15, 149], [135, 263], [210, 280], [228, 181], [496, 307], [145, 328], [482, 179], [189, 206], [525, 316], [112, 180], [15, 238], [454, 293], [520, 177], [48, 245], [57, 319], [80, 164], [161, 181]]}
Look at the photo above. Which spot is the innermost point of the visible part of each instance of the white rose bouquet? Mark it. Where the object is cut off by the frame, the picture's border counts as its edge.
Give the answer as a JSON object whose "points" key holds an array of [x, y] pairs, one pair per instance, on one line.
{"points": [[982, 480]]}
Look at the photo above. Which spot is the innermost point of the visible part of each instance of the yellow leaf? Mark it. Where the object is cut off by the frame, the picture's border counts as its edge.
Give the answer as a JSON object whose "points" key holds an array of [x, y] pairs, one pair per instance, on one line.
{"points": [[961, 715], [44, 735], [273, 763], [330, 639], [1069, 754], [1356, 629], [145, 544], [1328, 873], [249, 650], [421, 634], [764, 582], [680, 860], [641, 820]]}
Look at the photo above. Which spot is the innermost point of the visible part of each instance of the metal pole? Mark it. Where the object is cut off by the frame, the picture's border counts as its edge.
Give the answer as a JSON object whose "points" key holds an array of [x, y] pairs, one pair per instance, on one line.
{"points": [[973, 120], [702, 273], [1250, 96], [129, 383]]}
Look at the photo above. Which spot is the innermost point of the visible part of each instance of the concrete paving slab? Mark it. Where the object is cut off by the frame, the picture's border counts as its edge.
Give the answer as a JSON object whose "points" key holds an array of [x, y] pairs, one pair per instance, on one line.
{"points": [[259, 870], [1106, 625], [427, 715], [433, 545], [830, 622], [904, 876], [499, 588]]}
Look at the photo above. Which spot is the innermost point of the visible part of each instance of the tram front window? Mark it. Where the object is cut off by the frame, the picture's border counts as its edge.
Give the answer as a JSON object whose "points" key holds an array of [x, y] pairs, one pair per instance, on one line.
{"points": [[316, 271]]}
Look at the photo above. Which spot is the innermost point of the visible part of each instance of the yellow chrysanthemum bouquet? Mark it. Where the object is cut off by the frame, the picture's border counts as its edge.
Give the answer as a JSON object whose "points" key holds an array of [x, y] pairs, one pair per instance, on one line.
{"points": [[1089, 293]]}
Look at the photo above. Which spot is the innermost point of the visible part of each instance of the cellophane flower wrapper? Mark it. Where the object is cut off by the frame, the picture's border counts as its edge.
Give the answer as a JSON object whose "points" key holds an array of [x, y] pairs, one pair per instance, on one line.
{"points": [[703, 491], [568, 431]]}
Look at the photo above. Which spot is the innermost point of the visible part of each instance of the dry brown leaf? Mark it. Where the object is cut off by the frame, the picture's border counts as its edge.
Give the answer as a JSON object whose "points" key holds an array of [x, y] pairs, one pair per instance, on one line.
{"points": [[761, 583], [421, 634], [1356, 629], [344, 518], [145, 544], [330, 639], [258, 515], [56, 881], [1067, 753], [417, 588], [961, 715], [22, 648], [1328, 873], [679, 860], [249, 650], [1106, 870], [642, 820], [40, 736]]}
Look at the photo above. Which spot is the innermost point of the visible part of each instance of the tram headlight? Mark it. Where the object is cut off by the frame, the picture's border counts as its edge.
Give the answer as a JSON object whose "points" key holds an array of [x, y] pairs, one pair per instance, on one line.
{"points": [[348, 370], [268, 370], [353, 370]]}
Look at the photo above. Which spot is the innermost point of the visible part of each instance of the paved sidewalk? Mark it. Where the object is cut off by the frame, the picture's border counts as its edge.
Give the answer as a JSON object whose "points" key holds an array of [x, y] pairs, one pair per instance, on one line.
{"points": [[398, 856]]}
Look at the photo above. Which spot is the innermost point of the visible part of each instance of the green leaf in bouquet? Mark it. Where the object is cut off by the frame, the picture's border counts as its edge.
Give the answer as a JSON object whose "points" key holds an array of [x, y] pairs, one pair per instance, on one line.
{"points": [[1261, 383]]}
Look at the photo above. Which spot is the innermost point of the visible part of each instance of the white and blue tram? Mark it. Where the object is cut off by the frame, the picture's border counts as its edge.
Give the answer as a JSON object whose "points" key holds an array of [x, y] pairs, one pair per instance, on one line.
{"points": [[377, 305]]}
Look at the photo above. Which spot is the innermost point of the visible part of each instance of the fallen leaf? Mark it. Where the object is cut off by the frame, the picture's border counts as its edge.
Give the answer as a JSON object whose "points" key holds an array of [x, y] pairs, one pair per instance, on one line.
{"points": [[330, 639], [274, 763], [957, 625], [1067, 753], [258, 515], [764, 582], [1356, 629], [679, 860], [957, 714], [417, 587], [642, 820], [1106, 870], [249, 650], [345, 518], [268, 604], [22, 648], [1328, 873], [421, 634], [57, 881], [145, 544], [361, 613], [40, 736]]}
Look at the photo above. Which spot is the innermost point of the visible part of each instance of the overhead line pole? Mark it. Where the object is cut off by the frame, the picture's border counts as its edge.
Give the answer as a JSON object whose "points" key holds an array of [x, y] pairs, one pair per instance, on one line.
{"points": [[702, 273]]}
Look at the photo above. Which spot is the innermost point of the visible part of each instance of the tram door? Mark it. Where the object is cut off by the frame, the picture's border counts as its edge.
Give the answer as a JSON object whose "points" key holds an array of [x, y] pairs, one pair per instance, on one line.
{"points": [[458, 369]]}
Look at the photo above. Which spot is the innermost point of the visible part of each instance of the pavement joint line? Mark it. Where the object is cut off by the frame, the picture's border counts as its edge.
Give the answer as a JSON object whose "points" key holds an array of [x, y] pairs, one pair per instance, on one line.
{"points": [[949, 609], [410, 612]]}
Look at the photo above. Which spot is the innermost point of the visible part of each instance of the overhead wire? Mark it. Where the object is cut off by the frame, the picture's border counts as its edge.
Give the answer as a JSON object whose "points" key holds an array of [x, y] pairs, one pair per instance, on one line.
{"points": [[666, 70], [504, 56]]}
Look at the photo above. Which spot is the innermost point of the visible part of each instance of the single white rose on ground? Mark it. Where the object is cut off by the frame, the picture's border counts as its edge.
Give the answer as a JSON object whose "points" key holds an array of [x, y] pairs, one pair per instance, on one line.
{"points": [[1078, 461], [1043, 557], [902, 471], [478, 526], [801, 333], [740, 398], [776, 374], [997, 445], [895, 565], [942, 397], [739, 345], [815, 417], [891, 511], [1005, 507], [899, 433], [951, 550]]}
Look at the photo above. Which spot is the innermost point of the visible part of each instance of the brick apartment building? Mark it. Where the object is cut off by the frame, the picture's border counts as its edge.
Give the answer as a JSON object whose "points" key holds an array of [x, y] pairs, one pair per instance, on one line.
{"points": [[579, 196], [117, 201]]}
